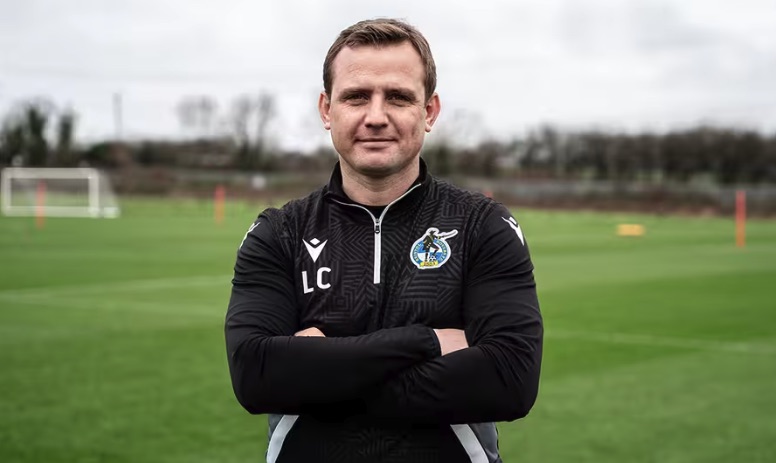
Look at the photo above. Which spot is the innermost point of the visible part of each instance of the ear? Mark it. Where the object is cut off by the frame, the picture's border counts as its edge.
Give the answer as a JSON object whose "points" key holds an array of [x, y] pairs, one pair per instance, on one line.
{"points": [[433, 107], [324, 107]]}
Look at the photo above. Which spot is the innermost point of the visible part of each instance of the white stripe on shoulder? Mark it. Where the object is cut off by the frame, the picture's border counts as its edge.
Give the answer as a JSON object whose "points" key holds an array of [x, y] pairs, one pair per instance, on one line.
{"points": [[470, 443], [279, 436]]}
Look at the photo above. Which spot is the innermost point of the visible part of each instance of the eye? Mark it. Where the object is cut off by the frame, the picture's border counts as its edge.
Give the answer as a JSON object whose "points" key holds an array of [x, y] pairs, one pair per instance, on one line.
{"points": [[400, 98], [356, 98]]}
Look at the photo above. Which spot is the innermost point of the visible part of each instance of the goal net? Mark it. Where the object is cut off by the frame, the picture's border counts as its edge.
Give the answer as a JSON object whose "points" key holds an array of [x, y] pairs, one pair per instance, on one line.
{"points": [[57, 192]]}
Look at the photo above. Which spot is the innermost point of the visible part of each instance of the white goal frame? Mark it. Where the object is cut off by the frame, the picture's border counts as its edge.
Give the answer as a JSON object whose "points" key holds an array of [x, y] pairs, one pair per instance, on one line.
{"points": [[98, 205]]}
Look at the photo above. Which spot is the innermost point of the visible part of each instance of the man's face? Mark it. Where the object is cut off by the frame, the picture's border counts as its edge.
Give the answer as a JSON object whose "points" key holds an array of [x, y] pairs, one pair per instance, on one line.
{"points": [[378, 114]]}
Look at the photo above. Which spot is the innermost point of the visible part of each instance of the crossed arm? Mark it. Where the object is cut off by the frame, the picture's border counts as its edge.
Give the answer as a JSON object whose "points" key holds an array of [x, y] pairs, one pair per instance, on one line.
{"points": [[488, 373], [450, 339]]}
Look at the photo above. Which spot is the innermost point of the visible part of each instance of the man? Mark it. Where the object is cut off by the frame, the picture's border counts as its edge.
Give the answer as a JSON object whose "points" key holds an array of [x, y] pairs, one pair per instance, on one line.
{"points": [[351, 354], [429, 246]]}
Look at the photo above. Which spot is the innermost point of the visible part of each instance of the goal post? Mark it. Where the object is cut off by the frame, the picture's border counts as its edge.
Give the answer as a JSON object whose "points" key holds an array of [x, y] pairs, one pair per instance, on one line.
{"points": [[57, 192]]}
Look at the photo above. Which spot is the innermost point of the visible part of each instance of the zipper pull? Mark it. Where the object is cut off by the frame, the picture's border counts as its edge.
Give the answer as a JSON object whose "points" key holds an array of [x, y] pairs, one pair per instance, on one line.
{"points": [[377, 227]]}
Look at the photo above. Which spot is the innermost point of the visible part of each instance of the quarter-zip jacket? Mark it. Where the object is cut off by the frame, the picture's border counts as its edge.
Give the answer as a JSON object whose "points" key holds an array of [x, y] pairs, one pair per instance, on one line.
{"points": [[376, 387]]}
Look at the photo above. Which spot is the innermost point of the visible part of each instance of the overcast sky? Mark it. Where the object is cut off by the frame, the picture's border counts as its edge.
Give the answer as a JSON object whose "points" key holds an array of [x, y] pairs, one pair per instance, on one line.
{"points": [[504, 66]]}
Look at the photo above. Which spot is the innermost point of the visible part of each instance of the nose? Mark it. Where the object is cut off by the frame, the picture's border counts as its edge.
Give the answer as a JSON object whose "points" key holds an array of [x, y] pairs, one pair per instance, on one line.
{"points": [[376, 116]]}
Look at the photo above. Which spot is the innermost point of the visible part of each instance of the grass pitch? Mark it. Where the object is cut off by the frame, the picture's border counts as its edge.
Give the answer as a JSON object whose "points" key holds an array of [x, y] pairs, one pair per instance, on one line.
{"points": [[658, 348]]}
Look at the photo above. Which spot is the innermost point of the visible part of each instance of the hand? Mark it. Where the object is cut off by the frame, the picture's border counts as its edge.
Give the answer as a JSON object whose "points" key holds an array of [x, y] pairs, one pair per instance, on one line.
{"points": [[312, 332], [451, 340]]}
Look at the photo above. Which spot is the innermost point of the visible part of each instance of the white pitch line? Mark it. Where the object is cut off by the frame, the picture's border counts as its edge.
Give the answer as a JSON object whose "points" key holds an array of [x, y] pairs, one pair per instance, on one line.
{"points": [[665, 341], [52, 294], [127, 285], [182, 309]]}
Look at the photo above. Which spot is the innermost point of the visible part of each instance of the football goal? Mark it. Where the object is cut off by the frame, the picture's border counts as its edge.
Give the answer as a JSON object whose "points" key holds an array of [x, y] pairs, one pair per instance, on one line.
{"points": [[57, 192]]}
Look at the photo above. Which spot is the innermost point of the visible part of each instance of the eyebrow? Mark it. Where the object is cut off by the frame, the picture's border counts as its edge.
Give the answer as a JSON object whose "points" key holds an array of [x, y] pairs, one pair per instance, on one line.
{"points": [[407, 93]]}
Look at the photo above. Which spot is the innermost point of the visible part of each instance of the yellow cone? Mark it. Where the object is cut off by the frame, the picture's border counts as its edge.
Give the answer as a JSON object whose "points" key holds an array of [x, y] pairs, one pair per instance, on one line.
{"points": [[630, 229]]}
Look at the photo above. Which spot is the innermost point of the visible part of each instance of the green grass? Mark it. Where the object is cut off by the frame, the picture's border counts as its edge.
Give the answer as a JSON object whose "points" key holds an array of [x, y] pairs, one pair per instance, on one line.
{"points": [[659, 348]]}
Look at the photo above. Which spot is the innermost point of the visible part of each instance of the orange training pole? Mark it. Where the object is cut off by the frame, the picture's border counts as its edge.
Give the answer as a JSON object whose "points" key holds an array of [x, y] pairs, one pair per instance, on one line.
{"points": [[40, 204], [740, 218], [218, 201]]}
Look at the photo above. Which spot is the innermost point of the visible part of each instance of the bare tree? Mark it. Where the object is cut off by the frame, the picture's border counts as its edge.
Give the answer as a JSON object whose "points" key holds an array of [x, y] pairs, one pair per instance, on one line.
{"points": [[265, 113], [311, 126], [197, 114], [12, 141], [452, 136], [553, 141], [250, 118], [239, 118], [36, 115], [65, 134]]}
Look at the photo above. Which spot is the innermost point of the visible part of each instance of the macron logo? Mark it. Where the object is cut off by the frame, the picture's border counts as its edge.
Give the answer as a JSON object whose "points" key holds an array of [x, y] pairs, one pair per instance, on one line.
{"points": [[314, 248], [513, 223]]}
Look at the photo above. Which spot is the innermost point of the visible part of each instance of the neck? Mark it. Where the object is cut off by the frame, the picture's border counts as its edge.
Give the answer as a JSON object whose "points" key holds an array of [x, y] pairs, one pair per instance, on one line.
{"points": [[377, 191]]}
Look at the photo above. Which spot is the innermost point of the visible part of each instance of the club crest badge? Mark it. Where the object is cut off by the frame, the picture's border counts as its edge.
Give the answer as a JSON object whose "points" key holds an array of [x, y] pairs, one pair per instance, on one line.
{"points": [[432, 249]]}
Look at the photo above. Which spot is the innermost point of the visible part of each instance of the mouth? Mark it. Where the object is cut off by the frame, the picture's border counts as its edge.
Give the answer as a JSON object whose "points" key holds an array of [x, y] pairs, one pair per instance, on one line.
{"points": [[374, 140]]}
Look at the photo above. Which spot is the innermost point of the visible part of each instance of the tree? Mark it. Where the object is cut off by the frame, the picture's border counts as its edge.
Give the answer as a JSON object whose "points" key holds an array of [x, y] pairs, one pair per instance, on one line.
{"points": [[265, 113], [438, 157], [65, 135], [449, 140], [11, 141], [36, 118], [198, 114], [250, 119], [239, 118]]}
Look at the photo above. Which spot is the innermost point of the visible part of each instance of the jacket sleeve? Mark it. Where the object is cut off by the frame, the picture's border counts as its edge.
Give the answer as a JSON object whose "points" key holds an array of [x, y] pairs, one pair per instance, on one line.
{"points": [[274, 372], [497, 377]]}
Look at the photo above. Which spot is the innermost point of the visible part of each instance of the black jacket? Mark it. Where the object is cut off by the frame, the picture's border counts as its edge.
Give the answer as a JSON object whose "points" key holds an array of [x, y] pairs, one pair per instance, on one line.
{"points": [[376, 388]]}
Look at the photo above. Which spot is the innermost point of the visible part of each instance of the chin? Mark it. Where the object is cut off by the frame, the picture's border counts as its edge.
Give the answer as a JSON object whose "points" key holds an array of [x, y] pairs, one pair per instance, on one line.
{"points": [[376, 170], [375, 163]]}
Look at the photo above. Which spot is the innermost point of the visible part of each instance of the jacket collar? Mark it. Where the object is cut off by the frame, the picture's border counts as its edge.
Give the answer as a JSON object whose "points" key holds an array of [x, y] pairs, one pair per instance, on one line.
{"points": [[334, 190]]}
